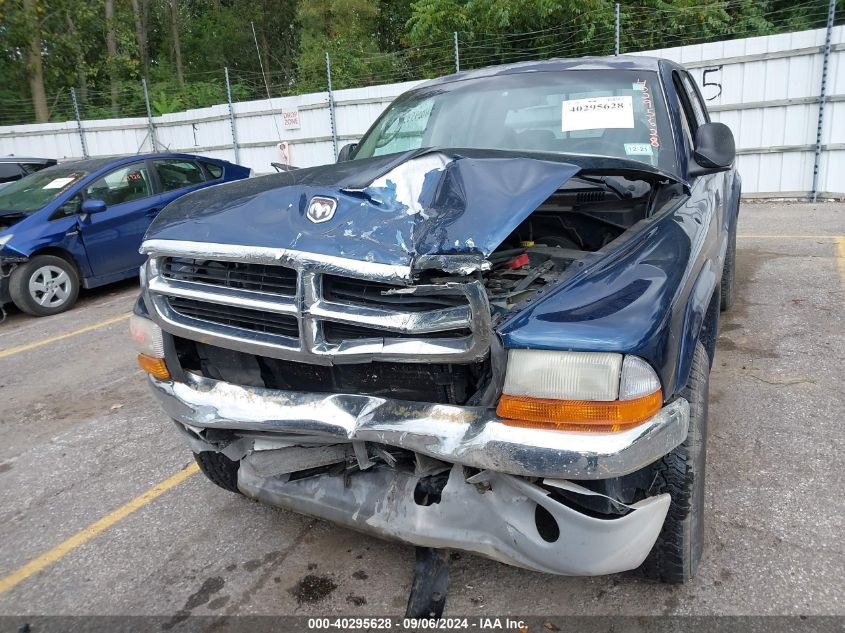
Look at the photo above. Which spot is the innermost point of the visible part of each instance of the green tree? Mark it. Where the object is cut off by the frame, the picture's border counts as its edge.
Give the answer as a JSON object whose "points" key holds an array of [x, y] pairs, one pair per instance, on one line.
{"points": [[348, 31], [181, 46], [501, 31], [32, 55], [222, 36], [44, 45]]}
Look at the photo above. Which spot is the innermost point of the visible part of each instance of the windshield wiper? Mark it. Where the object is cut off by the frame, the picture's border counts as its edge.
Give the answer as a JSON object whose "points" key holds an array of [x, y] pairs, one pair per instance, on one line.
{"points": [[613, 185]]}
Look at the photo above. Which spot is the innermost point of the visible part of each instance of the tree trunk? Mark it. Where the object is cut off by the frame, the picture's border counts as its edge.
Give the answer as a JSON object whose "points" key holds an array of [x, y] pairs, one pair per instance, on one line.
{"points": [[140, 9], [81, 75], [34, 68], [177, 49], [111, 48]]}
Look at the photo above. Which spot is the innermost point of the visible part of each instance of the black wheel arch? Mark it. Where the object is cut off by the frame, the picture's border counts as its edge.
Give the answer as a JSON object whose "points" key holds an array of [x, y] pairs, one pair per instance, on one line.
{"points": [[710, 326]]}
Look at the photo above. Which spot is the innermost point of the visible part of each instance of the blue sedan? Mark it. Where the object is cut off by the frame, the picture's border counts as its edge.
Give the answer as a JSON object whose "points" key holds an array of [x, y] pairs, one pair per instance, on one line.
{"points": [[81, 223]]}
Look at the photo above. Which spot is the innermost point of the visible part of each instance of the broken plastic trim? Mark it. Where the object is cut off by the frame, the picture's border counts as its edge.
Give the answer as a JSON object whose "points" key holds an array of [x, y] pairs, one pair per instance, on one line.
{"points": [[453, 264], [497, 522]]}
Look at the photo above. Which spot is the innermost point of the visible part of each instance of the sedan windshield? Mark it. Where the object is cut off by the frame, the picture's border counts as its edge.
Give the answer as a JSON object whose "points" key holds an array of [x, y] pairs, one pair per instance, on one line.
{"points": [[606, 112], [31, 193]]}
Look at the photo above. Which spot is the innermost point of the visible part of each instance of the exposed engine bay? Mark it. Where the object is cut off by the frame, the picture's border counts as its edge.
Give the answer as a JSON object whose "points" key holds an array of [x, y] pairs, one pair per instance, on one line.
{"points": [[585, 215]]}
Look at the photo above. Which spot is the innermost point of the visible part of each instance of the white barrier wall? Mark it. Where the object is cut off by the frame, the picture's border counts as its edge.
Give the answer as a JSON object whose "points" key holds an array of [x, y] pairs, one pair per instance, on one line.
{"points": [[765, 88]]}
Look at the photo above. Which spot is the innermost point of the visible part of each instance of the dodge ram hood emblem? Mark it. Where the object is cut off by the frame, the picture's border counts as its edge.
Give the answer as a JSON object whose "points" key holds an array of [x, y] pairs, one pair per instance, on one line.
{"points": [[321, 209]]}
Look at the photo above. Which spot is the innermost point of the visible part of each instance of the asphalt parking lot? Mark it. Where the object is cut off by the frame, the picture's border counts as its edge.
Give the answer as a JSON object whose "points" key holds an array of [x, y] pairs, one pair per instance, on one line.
{"points": [[81, 438]]}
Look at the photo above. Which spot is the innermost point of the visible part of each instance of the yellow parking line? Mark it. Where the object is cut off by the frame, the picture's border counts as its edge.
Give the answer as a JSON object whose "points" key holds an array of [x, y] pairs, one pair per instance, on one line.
{"points": [[53, 339], [51, 556], [840, 257]]}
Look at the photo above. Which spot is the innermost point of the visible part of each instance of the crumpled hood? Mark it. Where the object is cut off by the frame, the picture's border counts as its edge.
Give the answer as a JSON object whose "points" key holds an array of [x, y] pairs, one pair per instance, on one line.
{"points": [[392, 209]]}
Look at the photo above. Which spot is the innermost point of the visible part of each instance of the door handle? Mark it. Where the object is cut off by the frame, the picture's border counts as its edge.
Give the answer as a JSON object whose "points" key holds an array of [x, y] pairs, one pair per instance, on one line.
{"points": [[153, 212]]}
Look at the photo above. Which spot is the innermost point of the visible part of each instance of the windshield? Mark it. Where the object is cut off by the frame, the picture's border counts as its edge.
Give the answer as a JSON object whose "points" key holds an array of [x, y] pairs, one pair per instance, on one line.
{"points": [[31, 193], [607, 112]]}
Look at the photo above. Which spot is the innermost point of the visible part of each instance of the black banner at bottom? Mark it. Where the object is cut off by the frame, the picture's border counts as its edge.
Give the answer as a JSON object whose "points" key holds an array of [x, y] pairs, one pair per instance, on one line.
{"points": [[480, 624]]}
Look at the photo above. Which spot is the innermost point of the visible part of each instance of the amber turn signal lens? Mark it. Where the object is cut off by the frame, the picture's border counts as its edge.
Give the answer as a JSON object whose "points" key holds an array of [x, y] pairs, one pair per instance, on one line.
{"points": [[153, 366], [578, 415]]}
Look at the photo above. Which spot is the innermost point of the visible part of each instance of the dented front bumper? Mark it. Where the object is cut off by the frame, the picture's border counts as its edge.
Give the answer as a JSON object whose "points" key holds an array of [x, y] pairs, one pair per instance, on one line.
{"points": [[470, 436], [492, 511]]}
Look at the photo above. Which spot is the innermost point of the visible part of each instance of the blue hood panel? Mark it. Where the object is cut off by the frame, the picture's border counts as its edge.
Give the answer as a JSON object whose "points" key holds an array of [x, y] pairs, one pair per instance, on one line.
{"points": [[390, 210]]}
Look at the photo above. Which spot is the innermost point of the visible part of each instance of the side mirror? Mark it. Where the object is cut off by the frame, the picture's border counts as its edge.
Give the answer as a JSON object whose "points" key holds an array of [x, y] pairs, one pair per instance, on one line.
{"points": [[346, 152], [714, 150], [93, 206]]}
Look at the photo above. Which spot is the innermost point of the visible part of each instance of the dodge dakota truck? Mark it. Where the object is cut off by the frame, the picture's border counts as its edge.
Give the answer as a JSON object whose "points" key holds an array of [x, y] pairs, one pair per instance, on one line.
{"points": [[488, 327]]}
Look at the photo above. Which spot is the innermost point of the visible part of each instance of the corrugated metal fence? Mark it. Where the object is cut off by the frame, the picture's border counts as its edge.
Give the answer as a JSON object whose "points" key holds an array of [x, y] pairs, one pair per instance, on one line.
{"points": [[767, 89]]}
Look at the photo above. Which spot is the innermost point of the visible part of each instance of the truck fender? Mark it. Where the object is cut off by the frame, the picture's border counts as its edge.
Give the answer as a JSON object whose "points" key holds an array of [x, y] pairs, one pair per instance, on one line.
{"points": [[701, 321]]}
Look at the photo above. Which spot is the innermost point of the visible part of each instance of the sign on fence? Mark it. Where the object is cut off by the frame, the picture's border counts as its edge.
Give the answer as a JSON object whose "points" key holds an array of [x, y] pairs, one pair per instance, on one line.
{"points": [[290, 118]]}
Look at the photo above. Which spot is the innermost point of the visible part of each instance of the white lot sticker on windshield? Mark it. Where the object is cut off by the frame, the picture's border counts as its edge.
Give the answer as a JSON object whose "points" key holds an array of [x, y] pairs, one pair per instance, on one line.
{"points": [[638, 149], [58, 183], [597, 113]]}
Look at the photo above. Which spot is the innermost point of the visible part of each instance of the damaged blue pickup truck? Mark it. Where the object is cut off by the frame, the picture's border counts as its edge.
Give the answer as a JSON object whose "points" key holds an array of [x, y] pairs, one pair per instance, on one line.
{"points": [[488, 327]]}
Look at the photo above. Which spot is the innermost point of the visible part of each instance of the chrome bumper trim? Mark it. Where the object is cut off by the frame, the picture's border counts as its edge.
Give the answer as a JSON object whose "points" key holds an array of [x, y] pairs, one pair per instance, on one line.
{"points": [[275, 256], [471, 436]]}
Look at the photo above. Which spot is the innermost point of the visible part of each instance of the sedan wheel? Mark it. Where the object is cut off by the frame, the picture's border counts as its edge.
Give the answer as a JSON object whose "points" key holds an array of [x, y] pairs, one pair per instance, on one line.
{"points": [[50, 286], [44, 285]]}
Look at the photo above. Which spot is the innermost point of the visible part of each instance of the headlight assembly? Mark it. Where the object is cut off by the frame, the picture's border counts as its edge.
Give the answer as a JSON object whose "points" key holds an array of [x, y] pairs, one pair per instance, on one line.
{"points": [[587, 391]]}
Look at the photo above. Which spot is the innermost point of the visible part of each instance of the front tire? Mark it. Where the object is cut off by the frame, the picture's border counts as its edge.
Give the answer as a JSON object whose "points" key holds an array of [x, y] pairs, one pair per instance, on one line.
{"points": [[677, 552], [219, 469], [44, 285]]}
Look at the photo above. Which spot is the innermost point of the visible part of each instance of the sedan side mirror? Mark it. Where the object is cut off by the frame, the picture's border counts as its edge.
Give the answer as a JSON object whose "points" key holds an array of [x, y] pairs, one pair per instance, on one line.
{"points": [[346, 152], [714, 150], [93, 206]]}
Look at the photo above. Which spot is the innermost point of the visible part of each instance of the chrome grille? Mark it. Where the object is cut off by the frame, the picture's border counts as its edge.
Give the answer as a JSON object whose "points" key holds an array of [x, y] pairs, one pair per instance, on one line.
{"points": [[372, 293], [259, 277], [253, 320], [339, 332], [312, 309]]}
